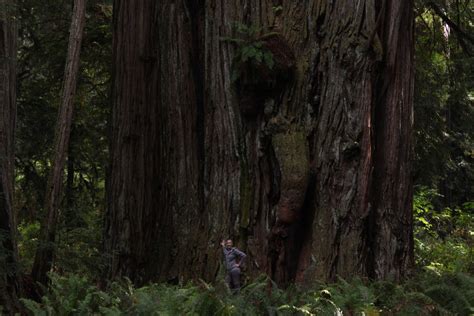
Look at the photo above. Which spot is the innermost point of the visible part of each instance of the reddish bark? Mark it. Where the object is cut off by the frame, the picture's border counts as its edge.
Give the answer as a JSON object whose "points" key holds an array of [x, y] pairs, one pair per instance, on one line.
{"points": [[300, 168]]}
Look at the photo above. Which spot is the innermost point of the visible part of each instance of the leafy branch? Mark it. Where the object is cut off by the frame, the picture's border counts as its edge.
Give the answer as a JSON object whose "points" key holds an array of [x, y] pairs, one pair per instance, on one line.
{"points": [[250, 50]]}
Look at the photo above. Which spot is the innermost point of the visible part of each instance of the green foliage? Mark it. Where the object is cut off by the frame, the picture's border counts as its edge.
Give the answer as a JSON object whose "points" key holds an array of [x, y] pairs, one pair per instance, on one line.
{"points": [[28, 233], [444, 238], [277, 9], [72, 295], [43, 40], [444, 173], [444, 110], [440, 287], [426, 294], [250, 49], [354, 296], [452, 292]]}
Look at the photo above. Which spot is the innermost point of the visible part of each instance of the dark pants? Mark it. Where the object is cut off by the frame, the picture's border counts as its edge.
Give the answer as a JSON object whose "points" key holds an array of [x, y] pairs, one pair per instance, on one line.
{"points": [[233, 280]]}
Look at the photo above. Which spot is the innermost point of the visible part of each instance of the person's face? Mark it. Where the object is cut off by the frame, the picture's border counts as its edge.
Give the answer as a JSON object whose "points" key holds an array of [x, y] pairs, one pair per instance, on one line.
{"points": [[228, 244]]}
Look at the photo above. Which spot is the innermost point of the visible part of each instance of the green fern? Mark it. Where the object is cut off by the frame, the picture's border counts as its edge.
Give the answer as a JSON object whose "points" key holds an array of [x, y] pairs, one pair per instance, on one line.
{"points": [[250, 50], [426, 294]]}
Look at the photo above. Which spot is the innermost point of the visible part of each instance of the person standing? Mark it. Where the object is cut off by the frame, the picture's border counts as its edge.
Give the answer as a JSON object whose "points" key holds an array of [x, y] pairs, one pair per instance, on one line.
{"points": [[233, 258]]}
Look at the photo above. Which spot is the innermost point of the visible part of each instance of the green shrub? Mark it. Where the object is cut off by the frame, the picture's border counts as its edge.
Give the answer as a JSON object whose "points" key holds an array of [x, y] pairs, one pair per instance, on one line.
{"points": [[250, 49], [28, 242], [428, 293], [71, 295], [444, 238]]}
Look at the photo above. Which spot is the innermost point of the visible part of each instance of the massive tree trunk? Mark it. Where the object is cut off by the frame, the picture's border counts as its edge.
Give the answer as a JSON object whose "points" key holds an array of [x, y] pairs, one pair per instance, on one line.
{"points": [[362, 149], [9, 280], [45, 252], [153, 205], [306, 164]]}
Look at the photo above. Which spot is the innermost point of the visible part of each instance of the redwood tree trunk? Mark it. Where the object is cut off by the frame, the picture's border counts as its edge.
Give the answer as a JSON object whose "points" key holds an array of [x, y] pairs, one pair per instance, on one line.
{"points": [[362, 149], [9, 279], [45, 252], [153, 205], [308, 170]]}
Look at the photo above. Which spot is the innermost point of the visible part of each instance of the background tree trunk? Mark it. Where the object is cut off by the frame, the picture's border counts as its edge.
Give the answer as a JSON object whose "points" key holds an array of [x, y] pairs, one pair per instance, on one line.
{"points": [[45, 252], [308, 171], [9, 279]]}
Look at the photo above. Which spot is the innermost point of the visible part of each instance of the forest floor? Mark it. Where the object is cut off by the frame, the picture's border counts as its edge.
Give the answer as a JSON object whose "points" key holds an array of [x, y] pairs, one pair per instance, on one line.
{"points": [[428, 293]]}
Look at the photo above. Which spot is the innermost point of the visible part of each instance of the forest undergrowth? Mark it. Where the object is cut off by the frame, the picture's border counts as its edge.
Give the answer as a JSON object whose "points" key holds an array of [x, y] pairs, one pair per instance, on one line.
{"points": [[428, 293], [442, 283]]}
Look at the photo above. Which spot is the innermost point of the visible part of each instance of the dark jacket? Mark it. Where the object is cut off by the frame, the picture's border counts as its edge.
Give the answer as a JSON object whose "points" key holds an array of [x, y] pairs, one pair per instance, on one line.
{"points": [[231, 256]]}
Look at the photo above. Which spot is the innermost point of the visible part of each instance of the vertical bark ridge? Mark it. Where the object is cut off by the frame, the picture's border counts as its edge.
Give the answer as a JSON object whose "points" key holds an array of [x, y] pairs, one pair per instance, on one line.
{"points": [[292, 182], [134, 150], [154, 190], [343, 141], [393, 240], [10, 287], [359, 162], [223, 139]]}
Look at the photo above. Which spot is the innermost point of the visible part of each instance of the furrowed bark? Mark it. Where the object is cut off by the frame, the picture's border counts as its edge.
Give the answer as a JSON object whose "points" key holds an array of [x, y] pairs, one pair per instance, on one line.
{"points": [[290, 166], [393, 188], [363, 213], [153, 206]]}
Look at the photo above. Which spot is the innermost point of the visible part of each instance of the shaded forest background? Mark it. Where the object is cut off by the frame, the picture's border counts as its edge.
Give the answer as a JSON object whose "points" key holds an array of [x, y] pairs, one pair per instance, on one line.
{"points": [[443, 171]]}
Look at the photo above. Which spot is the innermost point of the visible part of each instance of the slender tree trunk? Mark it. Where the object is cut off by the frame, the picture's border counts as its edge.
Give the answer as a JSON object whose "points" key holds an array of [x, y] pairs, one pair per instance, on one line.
{"points": [[9, 278], [45, 252], [307, 169]]}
